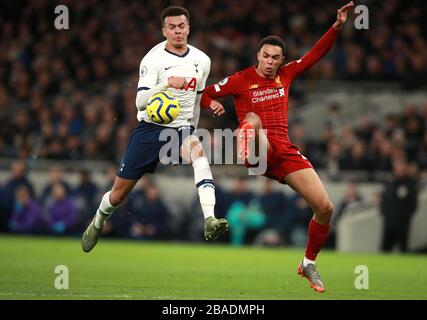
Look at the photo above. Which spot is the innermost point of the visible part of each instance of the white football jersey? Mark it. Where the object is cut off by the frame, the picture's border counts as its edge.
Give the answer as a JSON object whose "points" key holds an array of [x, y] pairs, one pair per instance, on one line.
{"points": [[159, 64]]}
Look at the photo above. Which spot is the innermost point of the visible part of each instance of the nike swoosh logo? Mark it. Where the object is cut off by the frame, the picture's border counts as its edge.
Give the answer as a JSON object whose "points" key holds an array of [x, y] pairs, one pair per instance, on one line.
{"points": [[168, 68]]}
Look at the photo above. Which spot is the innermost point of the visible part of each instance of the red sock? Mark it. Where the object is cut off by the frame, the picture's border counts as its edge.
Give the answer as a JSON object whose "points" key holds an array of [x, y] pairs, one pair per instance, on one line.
{"points": [[317, 235]]}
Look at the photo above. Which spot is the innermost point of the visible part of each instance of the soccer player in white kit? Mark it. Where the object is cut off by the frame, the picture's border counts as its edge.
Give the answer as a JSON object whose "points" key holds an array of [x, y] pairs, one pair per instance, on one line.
{"points": [[182, 69]]}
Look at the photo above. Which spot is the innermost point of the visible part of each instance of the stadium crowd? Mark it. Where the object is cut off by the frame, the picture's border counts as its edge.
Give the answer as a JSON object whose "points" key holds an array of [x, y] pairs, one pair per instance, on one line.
{"points": [[368, 145], [64, 209], [266, 218], [69, 94]]}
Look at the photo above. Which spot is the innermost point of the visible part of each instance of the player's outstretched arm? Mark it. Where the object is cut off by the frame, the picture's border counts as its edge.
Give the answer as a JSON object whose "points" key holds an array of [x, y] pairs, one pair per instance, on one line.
{"points": [[226, 87], [215, 106], [322, 46], [342, 15]]}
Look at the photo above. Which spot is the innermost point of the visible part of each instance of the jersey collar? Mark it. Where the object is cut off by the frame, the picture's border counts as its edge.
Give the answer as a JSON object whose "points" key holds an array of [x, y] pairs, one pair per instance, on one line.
{"points": [[261, 77], [277, 79], [180, 56]]}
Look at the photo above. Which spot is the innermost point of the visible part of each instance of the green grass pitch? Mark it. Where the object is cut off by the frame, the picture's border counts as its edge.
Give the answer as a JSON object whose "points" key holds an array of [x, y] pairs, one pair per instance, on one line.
{"points": [[147, 270]]}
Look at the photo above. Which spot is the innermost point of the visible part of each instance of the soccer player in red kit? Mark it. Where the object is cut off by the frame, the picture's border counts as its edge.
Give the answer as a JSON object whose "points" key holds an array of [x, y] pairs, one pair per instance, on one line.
{"points": [[260, 95]]}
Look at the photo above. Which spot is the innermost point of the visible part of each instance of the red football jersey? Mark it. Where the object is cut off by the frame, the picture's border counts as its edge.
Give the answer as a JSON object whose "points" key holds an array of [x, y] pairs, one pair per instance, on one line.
{"points": [[267, 97]]}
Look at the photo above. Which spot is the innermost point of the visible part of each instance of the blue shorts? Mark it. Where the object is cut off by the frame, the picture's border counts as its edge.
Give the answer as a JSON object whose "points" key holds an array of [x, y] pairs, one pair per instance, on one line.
{"points": [[144, 147]]}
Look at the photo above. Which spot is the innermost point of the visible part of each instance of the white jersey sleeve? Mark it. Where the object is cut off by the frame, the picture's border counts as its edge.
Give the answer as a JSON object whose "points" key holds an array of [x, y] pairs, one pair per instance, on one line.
{"points": [[148, 82]]}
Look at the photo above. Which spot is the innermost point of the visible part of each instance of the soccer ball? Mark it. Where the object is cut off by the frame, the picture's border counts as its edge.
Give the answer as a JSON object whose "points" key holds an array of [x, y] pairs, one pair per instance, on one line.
{"points": [[163, 107]]}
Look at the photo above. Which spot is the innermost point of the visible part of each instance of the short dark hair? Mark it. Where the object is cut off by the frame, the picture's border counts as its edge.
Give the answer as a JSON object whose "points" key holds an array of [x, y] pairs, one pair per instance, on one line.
{"points": [[274, 41], [174, 11]]}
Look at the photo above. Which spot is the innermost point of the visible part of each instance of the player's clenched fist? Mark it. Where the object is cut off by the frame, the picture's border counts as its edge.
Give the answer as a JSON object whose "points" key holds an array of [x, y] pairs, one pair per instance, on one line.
{"points": [[217, 108], [177, 82]]}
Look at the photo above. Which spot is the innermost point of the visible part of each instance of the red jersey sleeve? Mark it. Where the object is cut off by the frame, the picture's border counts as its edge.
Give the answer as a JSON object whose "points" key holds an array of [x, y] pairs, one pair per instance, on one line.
{"points": [[315, 54], [226, 87]]}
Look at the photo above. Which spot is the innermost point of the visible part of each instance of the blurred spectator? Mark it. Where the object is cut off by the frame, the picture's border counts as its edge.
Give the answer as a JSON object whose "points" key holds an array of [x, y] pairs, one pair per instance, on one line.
{"points": [[398, 204], [3, 205], [334, 158], [86, 196], [55, 177], [61, 211], [273, 203], [245, 221], [244, 214], [149, 214], [297, 217], [26, 215], [333, 118], [383, 156], [357, 158], [240, 193], [18, 179], [414, 126], [189, 223], [352, 198]]}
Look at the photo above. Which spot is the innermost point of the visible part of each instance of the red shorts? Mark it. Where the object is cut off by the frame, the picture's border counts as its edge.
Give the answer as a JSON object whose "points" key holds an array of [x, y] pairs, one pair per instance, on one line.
{"points": [[283, 159]]}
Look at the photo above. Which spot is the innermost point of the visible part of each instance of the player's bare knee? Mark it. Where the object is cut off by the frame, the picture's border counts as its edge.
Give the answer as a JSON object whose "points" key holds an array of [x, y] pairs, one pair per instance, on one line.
{"points": [[325, 210], [254, 119], [328, 210]]}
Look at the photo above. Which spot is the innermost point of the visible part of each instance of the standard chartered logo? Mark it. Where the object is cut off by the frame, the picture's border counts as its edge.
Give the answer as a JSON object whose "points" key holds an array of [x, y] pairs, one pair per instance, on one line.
{"points": [[263, 92], [267, 95]]}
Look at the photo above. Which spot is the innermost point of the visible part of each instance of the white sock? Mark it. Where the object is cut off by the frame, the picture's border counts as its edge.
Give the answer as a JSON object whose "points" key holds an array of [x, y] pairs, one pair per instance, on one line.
{"points": [[205, 185], [306, 262], [104, 211]]}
